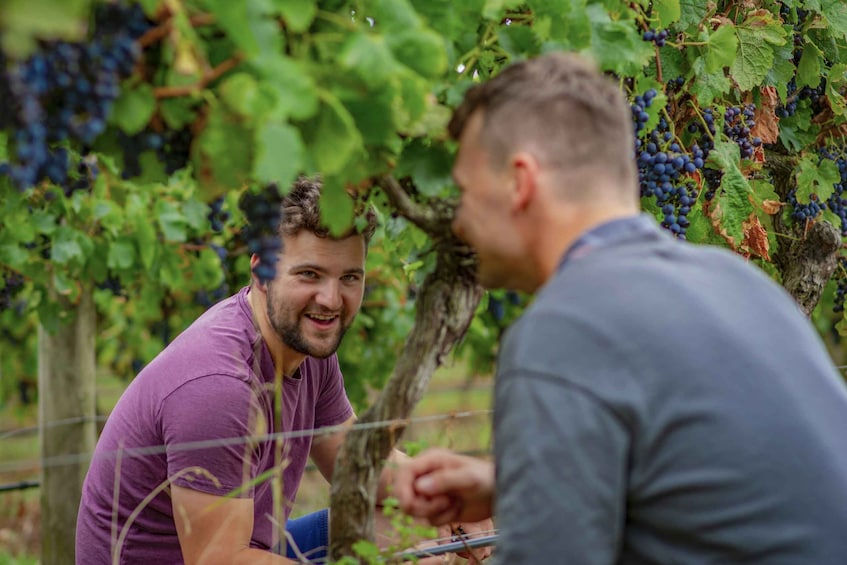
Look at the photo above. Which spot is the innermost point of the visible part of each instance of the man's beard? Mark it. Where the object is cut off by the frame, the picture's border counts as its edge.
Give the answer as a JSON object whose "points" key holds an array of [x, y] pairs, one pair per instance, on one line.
{"points": [[286, 324]]}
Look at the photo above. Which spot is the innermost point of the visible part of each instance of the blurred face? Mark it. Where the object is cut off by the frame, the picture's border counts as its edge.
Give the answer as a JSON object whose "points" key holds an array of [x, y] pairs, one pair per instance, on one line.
{"points": [[317, 291], [483, 219]]}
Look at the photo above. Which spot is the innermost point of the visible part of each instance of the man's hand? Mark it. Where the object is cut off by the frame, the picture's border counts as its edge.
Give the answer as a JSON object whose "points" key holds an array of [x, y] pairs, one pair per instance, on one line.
{"points": [[444, 487]]}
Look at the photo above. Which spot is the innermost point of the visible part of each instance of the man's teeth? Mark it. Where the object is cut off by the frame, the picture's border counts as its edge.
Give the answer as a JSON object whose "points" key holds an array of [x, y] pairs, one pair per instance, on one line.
{"points": [[322, 318]]}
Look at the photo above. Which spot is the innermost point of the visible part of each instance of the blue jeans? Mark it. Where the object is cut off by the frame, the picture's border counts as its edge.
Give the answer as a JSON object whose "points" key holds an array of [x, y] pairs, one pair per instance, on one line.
{"points": [[310, 534]]}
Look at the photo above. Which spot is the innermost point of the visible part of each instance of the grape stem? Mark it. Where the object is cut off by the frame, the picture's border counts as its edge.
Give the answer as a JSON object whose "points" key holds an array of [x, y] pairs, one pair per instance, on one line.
{"points": [[162, 30], [188, 89]]}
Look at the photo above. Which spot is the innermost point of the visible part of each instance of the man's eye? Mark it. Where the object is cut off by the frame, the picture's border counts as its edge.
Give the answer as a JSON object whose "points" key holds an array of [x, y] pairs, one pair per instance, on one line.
{"points": [[309, 274], [350, 278]]}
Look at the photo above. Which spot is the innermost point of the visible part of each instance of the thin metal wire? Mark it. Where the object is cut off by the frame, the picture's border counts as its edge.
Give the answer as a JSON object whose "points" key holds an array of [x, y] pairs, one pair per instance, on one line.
{"points": [[76, 458], [5, 434]]}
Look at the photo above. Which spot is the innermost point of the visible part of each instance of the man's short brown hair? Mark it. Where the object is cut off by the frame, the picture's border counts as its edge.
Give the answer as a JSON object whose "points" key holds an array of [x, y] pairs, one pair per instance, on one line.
{"points": [[301, 211], [560, 108]]}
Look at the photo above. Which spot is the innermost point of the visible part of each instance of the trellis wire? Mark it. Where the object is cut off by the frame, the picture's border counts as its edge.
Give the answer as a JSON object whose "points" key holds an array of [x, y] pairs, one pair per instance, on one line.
{"points": [[76, 458]]}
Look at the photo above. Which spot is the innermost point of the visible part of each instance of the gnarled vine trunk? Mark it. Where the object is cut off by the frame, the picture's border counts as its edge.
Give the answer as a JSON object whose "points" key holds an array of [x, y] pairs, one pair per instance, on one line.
{"points": [[445, 306], [807, 254]]}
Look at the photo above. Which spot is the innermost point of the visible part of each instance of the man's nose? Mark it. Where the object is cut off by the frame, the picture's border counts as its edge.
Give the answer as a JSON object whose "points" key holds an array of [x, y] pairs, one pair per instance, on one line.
{"points": [[329, 295]]}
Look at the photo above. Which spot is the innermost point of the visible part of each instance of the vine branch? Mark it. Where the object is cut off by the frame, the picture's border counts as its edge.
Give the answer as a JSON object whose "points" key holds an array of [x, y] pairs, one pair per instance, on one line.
{"points": [[426, 218], [186, 90]]}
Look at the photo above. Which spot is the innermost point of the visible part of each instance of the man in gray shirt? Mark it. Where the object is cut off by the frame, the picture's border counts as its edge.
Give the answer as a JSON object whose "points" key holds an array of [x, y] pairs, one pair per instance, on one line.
{"points": [[659, 402]]}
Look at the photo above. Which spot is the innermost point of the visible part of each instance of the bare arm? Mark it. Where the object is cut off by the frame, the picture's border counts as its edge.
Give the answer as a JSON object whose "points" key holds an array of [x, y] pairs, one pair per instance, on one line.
{"points": [[216, 530]]}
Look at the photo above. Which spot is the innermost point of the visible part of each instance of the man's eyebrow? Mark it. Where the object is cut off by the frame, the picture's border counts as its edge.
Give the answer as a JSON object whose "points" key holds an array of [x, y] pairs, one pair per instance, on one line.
{"points": [[313, 267]]}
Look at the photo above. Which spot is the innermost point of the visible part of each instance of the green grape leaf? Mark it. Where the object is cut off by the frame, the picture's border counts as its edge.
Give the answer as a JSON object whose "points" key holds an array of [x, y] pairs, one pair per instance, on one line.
{"points": [[121, 254], [240, 92], [421, 50], [692, 12], [178, 111], [834, 89], [429, 166], [296, 92], [298, 14], [134, 108], [834, 13], [721, 48], [331, 137], [336, 206], [732, 206], [392, 15], [756, 38], [798, 131], [494, 8], [518, 41], [783, 69], [65, 246], [145, 240], [374, 116], [25, 20], [196, 214], [279, 153], [171, 221], [43, 222], [171, 271], [248, 25], [206, 269], [815, 176], [368, 56], [708, 86], [218, 161], [809, 68], [563, 21], [617, 45], [668, 11]]}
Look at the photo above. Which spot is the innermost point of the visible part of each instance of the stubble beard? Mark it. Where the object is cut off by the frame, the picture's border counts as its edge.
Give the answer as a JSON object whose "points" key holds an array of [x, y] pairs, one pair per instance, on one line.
{"points": [[286, 324]]}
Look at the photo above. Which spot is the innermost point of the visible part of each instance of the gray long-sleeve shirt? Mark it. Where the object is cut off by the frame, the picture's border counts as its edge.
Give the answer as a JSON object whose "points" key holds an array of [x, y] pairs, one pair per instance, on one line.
{"points": [[666, 403]]}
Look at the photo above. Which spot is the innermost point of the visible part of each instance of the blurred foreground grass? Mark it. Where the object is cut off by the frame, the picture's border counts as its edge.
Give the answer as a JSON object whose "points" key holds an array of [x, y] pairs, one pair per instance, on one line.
{"points": [[450, 393]]}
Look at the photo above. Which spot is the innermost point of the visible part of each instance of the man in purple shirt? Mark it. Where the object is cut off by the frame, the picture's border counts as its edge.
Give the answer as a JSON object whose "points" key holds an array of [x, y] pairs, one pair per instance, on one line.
{"points": [[182, 472]]}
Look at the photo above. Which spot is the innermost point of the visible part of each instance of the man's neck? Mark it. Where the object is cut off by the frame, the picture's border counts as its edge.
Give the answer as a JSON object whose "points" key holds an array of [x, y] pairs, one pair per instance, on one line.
{"points": [[562, 230]]}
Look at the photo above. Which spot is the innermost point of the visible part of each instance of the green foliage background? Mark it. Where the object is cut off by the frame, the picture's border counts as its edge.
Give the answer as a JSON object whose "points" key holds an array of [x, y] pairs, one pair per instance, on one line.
{"points": [[358, 89]]}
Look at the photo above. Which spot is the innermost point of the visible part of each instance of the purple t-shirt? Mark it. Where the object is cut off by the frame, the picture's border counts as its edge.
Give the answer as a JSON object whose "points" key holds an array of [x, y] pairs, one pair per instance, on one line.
{"points": [[215, 381]]}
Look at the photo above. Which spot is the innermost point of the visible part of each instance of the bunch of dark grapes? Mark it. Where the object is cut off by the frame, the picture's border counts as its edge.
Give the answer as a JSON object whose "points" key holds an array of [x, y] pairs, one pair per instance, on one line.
{"points": [[663, 167], [264, 214], [737, 124], [217, 218], [659, 37], [86, 173], [707, 140], [65, 91], [841, 285], [12, 285], [837, 201], [172, 148], [790, 107], [802, 212]]}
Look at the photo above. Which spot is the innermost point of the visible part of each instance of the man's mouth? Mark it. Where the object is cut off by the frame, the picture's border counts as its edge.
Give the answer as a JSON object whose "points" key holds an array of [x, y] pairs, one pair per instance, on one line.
{"points": [[323, 320]]}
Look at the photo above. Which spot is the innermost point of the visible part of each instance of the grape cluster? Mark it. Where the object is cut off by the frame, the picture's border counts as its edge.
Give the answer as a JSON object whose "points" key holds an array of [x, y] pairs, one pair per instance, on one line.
{"points": [[664, 168], [841, 285], [171, 147], [659, 37], [65, 91], [802, 212], [12, 285], [263, 213], [837, 201], [217, 217], [737, 125]]}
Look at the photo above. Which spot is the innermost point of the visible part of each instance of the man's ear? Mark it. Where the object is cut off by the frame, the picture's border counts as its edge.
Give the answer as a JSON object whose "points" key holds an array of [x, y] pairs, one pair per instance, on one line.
{"points": [[257, 284], [525, 170]]}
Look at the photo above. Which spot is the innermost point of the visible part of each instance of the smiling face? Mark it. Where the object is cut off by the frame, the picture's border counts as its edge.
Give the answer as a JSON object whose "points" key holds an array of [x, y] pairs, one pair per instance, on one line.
{"points": [[317, 291]]}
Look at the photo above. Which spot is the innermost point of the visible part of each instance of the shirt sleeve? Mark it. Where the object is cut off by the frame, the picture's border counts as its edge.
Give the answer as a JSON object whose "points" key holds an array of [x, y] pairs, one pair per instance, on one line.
{"points": [[561, 473], [205, 426], [332, 406]]}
